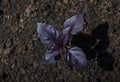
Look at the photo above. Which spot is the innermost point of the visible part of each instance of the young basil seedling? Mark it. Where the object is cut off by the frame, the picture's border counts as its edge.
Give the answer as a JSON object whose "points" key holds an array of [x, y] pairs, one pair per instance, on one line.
{"points": [[57, 42]]}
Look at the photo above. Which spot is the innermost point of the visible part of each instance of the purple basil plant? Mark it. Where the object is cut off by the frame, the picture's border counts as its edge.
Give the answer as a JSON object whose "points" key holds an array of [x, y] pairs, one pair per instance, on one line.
{"points": [[58, 42]]}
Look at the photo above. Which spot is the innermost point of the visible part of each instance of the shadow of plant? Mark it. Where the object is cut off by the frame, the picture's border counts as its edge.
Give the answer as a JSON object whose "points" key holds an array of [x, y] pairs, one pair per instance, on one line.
{"points": [[95, 46]]}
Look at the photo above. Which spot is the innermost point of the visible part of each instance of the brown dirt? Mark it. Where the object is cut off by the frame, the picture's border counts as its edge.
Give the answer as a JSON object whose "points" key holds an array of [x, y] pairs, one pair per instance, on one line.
{"points": [[21, 50]]}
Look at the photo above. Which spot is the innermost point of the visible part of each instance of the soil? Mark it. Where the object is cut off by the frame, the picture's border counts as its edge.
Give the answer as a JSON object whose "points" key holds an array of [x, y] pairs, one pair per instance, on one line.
{"points": [[21, 50]]}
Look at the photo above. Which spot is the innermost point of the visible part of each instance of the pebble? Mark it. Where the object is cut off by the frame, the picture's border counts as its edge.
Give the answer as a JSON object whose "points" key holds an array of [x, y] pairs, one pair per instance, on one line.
{"points": [[7, 51], [65, 1], [30, 9]]}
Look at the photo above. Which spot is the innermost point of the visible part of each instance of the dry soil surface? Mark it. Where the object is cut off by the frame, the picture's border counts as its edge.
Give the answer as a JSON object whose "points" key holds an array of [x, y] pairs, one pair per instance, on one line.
{"points": [[21, 50]]}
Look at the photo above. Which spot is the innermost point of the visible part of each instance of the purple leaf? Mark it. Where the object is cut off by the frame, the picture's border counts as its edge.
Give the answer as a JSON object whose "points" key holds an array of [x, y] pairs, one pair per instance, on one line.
{"points": [[51, 53], [47, 33], [75, 23], [64, 36], [76, 57]]}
